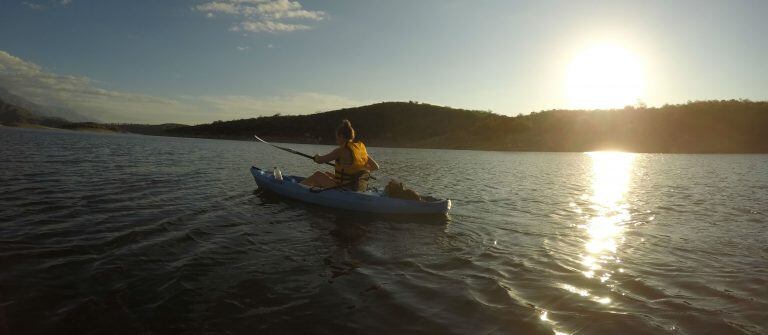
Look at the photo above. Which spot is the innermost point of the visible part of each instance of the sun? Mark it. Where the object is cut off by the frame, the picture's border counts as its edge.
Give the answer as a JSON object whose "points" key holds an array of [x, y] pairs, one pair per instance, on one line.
{"points": [[605, 76]]}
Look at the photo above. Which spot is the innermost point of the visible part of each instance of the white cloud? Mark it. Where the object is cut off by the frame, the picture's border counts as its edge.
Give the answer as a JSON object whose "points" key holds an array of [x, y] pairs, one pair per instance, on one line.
{"points": [[37, 85], [268, 26], [34, 6], [82, 95], [281, 9], [271, 16], [219, 7], [41, 5]]}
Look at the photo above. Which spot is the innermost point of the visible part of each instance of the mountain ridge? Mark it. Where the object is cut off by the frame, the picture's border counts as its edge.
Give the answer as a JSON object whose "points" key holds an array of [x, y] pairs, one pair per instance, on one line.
{"points": [[717, 126], [41, 110], [16, 116]]}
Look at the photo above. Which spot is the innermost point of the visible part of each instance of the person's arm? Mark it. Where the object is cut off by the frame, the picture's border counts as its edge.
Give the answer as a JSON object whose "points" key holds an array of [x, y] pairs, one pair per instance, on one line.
{"points": [[371, 164], [333, 155]]}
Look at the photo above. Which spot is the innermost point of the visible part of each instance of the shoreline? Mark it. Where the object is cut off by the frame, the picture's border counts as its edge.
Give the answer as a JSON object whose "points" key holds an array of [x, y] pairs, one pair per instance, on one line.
{"points": [[286, 140]]}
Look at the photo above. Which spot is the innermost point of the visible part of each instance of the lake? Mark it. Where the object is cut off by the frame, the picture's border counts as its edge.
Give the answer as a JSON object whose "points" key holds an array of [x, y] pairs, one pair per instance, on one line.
{"points": [[119, 233]]}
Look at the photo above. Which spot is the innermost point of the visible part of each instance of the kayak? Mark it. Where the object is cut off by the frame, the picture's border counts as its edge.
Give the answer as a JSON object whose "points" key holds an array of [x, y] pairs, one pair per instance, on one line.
{"points": [[372, 201]]}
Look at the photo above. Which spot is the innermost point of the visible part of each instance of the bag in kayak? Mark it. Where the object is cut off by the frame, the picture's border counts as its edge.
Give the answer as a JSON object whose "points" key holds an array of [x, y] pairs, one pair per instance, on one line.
{"points": [[395, 189]]}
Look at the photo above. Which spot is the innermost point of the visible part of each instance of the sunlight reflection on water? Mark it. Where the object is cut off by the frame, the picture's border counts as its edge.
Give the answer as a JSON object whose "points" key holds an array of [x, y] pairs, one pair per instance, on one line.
{"points": [[605, 211], [604, 226], [610, 182]]}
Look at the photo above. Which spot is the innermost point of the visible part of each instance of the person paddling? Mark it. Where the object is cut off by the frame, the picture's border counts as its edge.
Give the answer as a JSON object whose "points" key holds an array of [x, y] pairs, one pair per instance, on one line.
{"points": [[353, 163]]}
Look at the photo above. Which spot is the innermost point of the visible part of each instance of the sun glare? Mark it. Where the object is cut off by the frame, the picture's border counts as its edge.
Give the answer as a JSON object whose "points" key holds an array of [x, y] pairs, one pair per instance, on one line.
{"points": [[605, 76], [610, 182]]}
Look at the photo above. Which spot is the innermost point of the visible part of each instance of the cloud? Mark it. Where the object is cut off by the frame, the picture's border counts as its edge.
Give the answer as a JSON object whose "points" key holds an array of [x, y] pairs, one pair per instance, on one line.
{"points": [[30, 81], [219, 7], [82, 95], [34, 6], [270, 16], [41, 5], [268, 26]]}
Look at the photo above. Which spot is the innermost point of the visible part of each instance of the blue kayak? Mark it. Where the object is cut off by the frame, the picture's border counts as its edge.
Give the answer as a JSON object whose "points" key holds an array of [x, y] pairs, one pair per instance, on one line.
{"points": [[371, 201]]}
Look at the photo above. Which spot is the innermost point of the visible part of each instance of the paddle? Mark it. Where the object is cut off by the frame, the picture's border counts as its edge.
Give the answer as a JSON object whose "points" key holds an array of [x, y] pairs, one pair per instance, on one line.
{"points": [[293, 151], [288, 149]]}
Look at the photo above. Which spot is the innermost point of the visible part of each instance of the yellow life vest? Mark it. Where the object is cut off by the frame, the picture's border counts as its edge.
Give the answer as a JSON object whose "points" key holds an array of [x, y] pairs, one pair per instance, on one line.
{"points": [[348, 172]]}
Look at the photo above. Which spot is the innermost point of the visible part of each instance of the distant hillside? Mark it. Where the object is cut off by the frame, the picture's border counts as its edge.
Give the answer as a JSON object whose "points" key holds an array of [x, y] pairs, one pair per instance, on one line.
{"points": [[144, 129], [386, 124], [44, 111], [15, 116], [733, 126]]}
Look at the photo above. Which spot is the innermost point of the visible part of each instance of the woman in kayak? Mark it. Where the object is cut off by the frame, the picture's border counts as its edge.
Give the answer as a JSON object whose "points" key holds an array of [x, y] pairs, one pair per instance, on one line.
{"points": [[352, 162]]}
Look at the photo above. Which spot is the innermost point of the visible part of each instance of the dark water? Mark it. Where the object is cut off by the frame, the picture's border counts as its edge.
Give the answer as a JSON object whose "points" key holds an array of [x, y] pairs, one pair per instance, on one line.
{"points": [[136, 234]]}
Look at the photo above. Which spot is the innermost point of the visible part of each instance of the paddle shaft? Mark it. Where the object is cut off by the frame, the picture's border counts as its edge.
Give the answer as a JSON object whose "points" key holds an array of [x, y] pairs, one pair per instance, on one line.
{"points": [[293, 151], [296, 152]]}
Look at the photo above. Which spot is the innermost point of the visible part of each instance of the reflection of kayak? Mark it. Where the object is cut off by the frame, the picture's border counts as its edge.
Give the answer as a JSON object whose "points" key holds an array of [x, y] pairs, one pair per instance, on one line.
{"points": [[368, 201]]}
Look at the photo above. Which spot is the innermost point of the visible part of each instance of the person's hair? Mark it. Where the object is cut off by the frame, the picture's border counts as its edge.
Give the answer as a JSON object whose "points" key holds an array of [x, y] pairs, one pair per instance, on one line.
{"points": [[345, 130]]}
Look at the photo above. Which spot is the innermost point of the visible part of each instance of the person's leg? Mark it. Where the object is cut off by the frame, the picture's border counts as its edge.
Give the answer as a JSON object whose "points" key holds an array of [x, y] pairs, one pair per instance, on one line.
{"points": [[312, 180], [319, 179], [326, 180]]}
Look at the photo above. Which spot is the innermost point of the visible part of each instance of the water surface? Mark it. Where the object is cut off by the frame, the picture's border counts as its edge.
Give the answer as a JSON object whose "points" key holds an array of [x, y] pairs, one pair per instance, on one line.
{"points": [[111, 233]]}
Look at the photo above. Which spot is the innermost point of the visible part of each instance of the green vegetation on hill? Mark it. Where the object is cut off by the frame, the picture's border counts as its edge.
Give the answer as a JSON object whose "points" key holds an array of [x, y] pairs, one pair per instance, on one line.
{"points": [[732, 126], [384, 124]]}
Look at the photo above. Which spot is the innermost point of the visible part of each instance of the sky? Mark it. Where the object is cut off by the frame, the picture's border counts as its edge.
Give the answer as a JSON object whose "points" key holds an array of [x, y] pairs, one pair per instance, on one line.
{"points": [[197, 61]]}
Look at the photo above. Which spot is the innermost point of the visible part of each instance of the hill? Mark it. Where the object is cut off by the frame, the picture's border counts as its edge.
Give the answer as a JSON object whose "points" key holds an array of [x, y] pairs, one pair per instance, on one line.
{"points": [[725, 126], [43, 111], [15, 116], [384, 124], [144, 129]]}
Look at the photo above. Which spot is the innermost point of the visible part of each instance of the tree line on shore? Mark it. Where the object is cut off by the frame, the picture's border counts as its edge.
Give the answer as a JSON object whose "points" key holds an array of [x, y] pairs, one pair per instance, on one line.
{"points": [[714, 126]]}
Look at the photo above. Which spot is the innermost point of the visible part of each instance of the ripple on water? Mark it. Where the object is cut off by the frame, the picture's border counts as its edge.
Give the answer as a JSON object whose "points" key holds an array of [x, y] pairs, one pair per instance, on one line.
{"points": [[137, 234]]}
